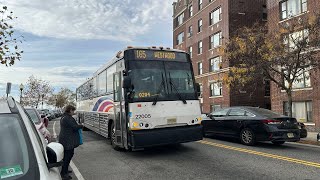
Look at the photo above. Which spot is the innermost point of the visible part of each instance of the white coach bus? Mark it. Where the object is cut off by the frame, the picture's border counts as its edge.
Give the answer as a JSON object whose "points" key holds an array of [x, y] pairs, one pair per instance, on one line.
{"points": [[143, 97]]}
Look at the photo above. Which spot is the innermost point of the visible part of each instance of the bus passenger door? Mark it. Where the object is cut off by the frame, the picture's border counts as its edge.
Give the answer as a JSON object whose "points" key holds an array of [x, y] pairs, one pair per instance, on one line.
{"points": [[120, 118]]}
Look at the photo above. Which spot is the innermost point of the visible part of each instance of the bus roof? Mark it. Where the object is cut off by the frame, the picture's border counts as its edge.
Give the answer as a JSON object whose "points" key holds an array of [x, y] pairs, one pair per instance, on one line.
{"points": [[120, 54]]}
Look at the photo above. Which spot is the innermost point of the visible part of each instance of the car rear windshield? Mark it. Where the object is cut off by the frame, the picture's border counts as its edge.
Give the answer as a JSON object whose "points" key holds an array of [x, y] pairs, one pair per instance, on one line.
{"points": [[265, 112], [16, 157], [33, 115]]}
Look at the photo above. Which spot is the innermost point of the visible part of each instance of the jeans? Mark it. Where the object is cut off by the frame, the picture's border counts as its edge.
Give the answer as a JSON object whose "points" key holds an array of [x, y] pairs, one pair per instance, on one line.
{"points": [[68, 154]]}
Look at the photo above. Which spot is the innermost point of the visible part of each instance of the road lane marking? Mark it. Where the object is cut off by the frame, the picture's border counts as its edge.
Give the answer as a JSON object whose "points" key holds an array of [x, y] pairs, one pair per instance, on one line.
{"points": [[76, 171], [284, 158], [72, 165]]}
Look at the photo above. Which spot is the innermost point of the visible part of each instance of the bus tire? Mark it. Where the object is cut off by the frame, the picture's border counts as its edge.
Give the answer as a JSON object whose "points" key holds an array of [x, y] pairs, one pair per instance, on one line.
{"points": [[113, 137]]}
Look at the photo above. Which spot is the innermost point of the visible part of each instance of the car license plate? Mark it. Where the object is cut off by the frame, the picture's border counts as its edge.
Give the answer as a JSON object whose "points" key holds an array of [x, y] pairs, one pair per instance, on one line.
{"points": [[290, 135], [172, 121]]}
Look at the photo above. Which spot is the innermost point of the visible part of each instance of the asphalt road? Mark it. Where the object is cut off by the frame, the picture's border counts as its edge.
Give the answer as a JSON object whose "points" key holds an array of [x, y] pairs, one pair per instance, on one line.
{"points": [[207, 159]]}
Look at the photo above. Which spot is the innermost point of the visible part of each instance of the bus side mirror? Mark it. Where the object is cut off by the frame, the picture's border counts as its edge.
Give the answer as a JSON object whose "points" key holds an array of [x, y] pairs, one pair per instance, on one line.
{"points": [[126, 82], [198, 89]]}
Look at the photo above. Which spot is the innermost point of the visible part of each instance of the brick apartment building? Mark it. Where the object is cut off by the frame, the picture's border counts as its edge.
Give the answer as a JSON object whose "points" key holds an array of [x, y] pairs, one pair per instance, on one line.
{"points": [[200, 27], [306, 95]]}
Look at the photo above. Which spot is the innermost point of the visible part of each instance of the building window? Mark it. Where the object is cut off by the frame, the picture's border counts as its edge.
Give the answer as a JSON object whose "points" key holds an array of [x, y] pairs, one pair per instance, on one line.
{"points": [[190, 51], [200, 47], [304, 6], [199, 68], [302, 81], [201, 90], [190, 31], [290, 8], [293, 39], [215, 107], [180, 38], [215, 64], [199, 4], [216, 89], [302, 111], [199, 25], [264, 13], [267, 87], [190, 11], [215, 16], [215, 40], [180, 19]]}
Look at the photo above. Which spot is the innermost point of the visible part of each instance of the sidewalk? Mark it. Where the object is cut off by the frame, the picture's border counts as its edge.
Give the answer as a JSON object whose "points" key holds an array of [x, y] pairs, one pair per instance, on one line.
{"points": [[310, 139]]}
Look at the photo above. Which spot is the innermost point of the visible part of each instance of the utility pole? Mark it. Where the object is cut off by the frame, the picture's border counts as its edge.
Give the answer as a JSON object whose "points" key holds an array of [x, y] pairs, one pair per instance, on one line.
{"points": [[21, 87]]}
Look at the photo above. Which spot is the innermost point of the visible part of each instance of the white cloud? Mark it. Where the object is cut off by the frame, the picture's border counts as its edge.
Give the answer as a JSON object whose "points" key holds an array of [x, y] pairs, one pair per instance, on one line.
{"points": [[90, 19], [58, 76]]}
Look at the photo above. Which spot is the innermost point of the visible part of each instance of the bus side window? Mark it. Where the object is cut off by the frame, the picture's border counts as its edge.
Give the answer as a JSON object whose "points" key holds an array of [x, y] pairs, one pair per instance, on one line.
{"points": [[116, 85]]}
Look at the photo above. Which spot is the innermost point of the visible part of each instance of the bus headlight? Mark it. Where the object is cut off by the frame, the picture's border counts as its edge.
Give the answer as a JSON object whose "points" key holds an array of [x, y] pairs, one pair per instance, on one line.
{"points": [[135, 124]]}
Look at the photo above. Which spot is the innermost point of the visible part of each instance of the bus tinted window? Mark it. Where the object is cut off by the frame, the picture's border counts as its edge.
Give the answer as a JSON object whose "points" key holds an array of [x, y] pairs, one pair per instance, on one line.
{"points": [[102, 82], [110, 71], [161, 80], [147, 79]]}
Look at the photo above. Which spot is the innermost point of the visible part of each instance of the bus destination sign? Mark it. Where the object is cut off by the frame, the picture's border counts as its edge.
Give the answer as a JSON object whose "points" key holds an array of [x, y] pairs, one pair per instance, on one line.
{"points": [[159, 55]]}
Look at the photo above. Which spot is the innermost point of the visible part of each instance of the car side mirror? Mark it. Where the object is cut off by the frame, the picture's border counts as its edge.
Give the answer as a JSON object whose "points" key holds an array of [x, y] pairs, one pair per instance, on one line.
{"points": [[55, 154], [126, 82], [211, 117], [198, 89]]}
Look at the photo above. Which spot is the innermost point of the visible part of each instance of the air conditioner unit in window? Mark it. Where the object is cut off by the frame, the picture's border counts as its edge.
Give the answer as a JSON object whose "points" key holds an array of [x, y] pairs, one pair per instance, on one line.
{"points": [[189, 34]]}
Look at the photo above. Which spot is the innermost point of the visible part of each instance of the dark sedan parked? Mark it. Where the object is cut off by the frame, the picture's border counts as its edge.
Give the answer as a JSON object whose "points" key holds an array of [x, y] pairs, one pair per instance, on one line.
{"points": [[252, 124]]}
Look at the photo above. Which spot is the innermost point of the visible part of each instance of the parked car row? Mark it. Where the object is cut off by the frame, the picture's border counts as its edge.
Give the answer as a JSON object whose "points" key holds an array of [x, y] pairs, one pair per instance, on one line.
{"points": [[50, 114], [24, 152], [253, 124], [41, 123]]}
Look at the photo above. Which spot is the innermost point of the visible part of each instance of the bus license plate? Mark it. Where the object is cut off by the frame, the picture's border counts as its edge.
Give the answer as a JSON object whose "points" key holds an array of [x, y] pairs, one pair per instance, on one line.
{"points": [[172, 121], [290, 135]]}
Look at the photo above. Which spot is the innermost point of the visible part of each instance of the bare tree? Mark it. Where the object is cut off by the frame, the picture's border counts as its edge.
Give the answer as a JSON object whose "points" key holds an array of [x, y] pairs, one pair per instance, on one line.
{"points": [[64, 97], [37, 91], [9, 50], [285, 55]]}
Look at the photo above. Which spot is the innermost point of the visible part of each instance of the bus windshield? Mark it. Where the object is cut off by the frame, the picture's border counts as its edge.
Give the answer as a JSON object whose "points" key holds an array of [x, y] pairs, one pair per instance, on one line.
{"points": [[161, 80]]}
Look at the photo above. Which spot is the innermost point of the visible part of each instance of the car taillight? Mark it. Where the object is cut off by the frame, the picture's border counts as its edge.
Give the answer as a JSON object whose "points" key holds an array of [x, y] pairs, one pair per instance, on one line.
{"points": [[271, 122]]}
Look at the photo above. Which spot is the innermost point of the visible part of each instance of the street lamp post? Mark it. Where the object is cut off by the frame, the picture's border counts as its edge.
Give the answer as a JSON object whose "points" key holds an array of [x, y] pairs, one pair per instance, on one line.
{"points": [[42, 99], [56, 103], [21, 87]]}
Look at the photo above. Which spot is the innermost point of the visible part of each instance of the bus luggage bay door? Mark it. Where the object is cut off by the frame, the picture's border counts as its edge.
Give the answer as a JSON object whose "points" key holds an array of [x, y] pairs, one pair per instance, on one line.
{"points": [[120, 119]]}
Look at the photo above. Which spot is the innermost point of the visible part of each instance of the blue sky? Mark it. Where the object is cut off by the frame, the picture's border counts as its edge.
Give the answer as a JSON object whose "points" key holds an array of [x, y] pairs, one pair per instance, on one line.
{"points": [[66, 41]]}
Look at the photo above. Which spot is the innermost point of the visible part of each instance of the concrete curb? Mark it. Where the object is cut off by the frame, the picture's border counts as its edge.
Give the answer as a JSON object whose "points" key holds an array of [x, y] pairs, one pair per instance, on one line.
{"points": [[316, 143]]}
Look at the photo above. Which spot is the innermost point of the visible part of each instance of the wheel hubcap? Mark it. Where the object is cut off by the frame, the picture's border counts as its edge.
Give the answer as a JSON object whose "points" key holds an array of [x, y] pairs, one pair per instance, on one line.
{"points": [[247, 136]]}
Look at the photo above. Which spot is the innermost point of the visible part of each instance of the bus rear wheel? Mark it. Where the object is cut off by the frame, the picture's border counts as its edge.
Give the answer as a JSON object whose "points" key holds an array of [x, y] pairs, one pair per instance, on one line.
{"points": [[113, 137]]}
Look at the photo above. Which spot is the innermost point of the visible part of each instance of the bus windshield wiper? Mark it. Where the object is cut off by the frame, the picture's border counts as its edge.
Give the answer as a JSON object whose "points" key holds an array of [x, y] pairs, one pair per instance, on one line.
{"points": [[189, 77], [176, 89], [155, 100]]}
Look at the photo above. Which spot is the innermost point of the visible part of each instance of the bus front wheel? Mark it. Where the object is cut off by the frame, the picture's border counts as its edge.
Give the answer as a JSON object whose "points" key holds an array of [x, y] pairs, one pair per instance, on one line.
{"points": [[113, 137]]}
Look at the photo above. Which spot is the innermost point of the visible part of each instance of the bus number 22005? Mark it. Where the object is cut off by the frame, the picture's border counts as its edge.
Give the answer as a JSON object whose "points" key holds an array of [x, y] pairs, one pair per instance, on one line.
{"points": [[143, 116]]}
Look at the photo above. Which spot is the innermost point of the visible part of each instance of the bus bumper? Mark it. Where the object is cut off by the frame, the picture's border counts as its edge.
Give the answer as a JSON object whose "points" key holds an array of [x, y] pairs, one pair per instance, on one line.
{"points": [[165, 136]]}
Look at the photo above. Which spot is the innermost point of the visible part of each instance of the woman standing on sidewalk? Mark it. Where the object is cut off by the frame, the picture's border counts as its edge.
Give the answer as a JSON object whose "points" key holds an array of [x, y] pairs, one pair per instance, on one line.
{"points": [[69, 138]]}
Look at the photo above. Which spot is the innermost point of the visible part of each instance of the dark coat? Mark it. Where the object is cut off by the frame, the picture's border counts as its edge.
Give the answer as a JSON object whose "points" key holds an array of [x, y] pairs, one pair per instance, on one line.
{"points": [[69, 135]]}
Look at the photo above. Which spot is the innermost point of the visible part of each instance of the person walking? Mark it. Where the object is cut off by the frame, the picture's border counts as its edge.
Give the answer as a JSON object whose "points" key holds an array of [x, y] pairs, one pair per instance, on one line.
{"points": [[69, 137]]}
